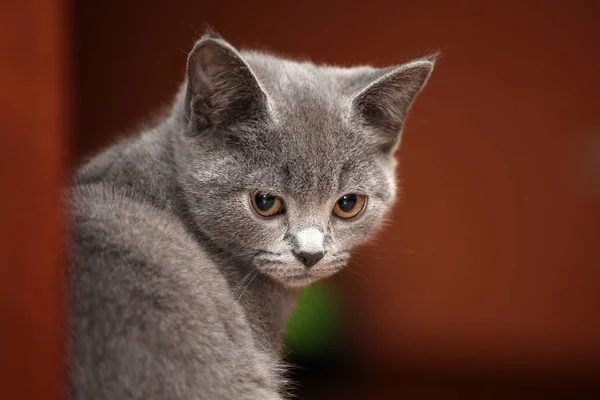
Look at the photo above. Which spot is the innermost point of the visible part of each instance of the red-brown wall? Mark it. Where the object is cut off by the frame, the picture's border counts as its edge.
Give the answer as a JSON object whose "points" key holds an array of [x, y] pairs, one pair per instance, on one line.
{"points": [[493, 256], [33, 157], [492, 260]]}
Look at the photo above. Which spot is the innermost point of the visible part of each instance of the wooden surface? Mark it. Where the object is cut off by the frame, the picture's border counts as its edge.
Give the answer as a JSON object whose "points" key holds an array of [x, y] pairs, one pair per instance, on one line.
{"points": [[33, 123]]}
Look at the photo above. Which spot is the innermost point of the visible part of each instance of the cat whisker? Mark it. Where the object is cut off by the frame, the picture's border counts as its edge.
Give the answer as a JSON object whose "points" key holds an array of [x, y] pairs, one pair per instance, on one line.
{"points": [[356, 275], [339, 260], [256, 272], [238, 287], [342, 252]]}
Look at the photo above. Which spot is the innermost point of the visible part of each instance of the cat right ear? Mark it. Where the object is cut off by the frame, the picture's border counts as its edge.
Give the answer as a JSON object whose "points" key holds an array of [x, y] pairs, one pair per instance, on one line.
{"points": [[221, 88], [385, 101]]}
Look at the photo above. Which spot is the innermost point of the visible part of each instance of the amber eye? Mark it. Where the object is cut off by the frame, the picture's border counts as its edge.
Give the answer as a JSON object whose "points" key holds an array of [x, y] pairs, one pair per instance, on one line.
{"points": [[349, 205], [266, 204]]}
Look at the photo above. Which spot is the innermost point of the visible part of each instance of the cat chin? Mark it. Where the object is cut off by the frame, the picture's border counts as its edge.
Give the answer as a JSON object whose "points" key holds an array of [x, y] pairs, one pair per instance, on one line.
{"points": [[298, 283], [292, 282], [297, 276]]}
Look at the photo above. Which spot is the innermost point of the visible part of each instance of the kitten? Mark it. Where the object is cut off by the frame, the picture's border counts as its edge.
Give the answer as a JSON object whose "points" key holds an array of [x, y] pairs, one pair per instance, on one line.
{"points": [[189, 241]]}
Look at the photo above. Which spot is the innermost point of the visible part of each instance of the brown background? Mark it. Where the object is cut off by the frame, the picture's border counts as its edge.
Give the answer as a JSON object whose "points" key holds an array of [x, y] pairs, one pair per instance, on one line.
{"points": [[489, 275], [33, 156]]}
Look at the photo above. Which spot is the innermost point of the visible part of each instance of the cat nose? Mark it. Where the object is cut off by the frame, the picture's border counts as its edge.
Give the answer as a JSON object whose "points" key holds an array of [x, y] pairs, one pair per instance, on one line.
{"points": [[309, 259], [308, 245]]}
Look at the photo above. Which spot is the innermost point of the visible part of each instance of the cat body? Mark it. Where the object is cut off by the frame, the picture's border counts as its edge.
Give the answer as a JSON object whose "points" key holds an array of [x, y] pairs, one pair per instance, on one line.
{"points": [[190, 241]]}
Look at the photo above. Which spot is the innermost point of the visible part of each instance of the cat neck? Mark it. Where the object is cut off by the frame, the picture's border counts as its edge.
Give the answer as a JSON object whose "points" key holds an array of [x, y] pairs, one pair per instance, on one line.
{"points": [[266, 302]]}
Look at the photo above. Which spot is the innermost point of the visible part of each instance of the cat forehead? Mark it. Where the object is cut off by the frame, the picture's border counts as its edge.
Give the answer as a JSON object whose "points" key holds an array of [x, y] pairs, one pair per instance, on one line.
{"points": [[288, 82], [309, 104]]}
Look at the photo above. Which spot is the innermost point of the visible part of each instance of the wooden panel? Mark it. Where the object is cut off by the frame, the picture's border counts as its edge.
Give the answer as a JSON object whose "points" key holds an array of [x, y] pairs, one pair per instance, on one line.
{"points": [[32, 155]]}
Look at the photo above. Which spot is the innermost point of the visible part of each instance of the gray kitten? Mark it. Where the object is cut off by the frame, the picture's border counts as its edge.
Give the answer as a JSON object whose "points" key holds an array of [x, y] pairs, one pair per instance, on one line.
{"points": [[189, 241]]}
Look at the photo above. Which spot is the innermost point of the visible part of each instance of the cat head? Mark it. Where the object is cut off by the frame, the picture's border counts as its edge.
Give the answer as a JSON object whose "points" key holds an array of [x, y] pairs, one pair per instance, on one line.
{"points": [[287, 165]]}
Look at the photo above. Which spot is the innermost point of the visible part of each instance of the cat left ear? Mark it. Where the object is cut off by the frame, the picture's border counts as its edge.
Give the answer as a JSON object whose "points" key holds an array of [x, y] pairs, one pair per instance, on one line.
{"points": [[221, 88], [384, 103]]}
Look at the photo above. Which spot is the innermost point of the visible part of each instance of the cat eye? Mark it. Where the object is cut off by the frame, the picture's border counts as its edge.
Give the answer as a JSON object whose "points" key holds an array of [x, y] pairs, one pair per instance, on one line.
{"points": [[349, 205], [266, 204]]}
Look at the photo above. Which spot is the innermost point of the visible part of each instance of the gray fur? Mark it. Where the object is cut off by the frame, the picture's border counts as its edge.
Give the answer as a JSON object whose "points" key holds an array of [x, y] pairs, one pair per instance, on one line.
{"points": [[179, 290]]}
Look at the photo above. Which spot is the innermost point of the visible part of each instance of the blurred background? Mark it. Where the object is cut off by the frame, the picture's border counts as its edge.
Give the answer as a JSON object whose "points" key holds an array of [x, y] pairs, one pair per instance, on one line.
{"points": [[486, 284]]}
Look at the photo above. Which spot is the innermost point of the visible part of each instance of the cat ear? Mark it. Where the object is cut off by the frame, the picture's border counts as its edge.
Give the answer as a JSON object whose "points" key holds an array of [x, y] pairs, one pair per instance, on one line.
{"points": [[221, 88], [385, 101]]}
